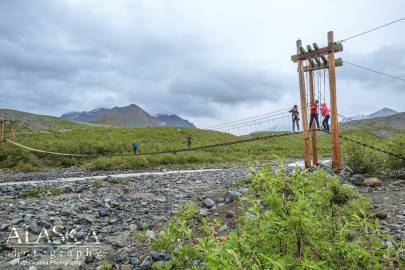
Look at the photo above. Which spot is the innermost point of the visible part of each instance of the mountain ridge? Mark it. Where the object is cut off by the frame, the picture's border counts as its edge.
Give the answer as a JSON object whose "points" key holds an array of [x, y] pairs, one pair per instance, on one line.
{"points": [[127, 116], [173, 120]]}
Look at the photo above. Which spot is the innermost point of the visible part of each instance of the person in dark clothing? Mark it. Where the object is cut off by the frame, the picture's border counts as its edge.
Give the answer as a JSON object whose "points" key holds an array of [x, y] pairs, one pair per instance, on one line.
{"points": [[325, 111], [314, 114], [189, 140], [135, 146], [295, 117]]}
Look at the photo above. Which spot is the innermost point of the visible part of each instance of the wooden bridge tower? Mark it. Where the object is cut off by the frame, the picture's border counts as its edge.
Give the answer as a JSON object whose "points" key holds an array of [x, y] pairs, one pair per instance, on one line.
{"points": [[315, 58]]}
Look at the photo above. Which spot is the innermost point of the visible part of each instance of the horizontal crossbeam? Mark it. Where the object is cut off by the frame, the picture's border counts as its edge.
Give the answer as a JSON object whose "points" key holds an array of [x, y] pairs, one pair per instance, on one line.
{"points": [[338, 63], [337, 47]]}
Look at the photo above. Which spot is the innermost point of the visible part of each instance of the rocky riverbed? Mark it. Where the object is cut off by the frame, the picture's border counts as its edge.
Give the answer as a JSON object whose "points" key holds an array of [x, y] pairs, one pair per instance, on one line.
{"points": [[80, 221], [107, 215]]}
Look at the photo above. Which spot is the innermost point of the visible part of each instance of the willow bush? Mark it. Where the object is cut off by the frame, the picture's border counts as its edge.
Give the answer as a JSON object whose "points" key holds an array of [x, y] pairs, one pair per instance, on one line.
{"points": [[302, 221]]}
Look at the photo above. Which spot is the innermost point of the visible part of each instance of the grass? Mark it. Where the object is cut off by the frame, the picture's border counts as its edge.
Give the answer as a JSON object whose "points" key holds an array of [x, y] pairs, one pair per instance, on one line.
{"points": [[104, 141], [37, 192]]}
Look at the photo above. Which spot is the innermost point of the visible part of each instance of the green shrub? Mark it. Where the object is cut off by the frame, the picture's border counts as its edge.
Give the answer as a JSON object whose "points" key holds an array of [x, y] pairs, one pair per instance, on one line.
{"points": [[37, 192], [397, 146], [105, 264], [363, 160], [286, 222]]}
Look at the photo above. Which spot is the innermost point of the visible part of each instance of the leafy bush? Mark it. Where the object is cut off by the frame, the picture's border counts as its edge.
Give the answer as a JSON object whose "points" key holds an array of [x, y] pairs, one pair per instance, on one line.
{"points": [[363, 160], [286, 222], [396, 145], [368, 161]]}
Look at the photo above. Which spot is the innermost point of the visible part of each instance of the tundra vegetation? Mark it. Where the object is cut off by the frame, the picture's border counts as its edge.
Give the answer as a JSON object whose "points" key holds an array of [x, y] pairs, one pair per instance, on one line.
{"points": [[299, 221], [106, 141]]}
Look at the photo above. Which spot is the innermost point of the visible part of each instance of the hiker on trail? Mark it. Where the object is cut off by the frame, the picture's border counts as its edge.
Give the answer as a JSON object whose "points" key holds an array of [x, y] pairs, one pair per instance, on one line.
{"points": [[189, 140], [295, 117], [136, 147], [325, 111], [314, 114]]}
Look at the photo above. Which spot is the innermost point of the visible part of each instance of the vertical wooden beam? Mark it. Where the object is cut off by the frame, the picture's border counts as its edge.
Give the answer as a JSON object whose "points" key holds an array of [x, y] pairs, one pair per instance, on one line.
{"points": [[2, 123], [333, 105], [313, 133], [304, 116], [12, 121]]}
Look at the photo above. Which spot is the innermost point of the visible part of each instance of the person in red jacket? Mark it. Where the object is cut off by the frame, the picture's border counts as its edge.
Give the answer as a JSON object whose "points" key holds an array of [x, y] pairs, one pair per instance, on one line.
{"points": [[325, 111], [314, 114]]}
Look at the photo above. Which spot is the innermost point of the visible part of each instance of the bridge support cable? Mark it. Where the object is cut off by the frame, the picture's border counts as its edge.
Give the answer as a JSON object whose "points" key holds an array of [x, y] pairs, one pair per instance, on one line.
{"points": [[169, 151]]}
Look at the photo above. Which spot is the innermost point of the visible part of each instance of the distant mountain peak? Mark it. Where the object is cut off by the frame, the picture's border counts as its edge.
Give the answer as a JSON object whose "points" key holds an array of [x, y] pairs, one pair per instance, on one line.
{"points": [[131, 115], [381, 113], [173, 120]]}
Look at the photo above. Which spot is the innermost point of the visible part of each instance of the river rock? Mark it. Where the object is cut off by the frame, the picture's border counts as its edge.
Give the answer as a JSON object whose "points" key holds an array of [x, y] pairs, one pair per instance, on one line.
{"points": [[160, 256], [356, 179], [380, 214], [4, 226], [34, 228], [89, 259], [230, 214], [151, 235], [230, 196], [372, 182], [208, 203], [103, 212], [146, 263]]}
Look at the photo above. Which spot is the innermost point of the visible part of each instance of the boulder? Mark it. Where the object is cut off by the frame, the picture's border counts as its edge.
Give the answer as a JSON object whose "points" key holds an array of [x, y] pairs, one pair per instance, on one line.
{"points": [[380, 214], [230, 196], [356, 180], [151, 235], [230, 214], [372, 182], [4, 226], [34, 228], [208, 203], [90, 259]]}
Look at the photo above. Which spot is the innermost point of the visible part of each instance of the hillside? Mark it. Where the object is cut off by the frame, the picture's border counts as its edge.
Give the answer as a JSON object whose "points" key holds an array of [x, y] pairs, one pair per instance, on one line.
{"points": [[382, 113], [174, 120], [31, 121], [131, 115], [381, 126]]}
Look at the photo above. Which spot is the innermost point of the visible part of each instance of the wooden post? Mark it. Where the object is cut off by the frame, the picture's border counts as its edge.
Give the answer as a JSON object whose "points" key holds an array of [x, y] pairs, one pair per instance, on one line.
{"points": [[2, 123], [12, 129], [333, 105], [304, 116], [313, 137]]}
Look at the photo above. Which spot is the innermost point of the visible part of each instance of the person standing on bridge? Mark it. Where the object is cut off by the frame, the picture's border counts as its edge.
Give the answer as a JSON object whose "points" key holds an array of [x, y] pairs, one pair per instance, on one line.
{"points": [[189, 140], [295, 117], [325, 111], [314, 114]]}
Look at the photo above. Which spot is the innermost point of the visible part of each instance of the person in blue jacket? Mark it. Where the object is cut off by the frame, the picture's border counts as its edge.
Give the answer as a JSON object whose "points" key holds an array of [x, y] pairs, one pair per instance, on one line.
{"points": [[136, 147]]}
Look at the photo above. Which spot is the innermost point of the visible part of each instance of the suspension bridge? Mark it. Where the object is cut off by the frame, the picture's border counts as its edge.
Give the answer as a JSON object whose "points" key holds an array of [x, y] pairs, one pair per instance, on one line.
{"points": [[312, 66]]}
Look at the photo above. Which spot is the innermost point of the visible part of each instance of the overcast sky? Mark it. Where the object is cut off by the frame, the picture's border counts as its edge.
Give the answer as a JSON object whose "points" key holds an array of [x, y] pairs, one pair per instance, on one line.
{"points": [[207, 61]]}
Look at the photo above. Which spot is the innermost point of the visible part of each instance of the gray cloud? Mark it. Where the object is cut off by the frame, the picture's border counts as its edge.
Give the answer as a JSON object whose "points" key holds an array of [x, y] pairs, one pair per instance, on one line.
{"points": [[171, 57], [231, 86], [55, 58], [389, 60]]}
